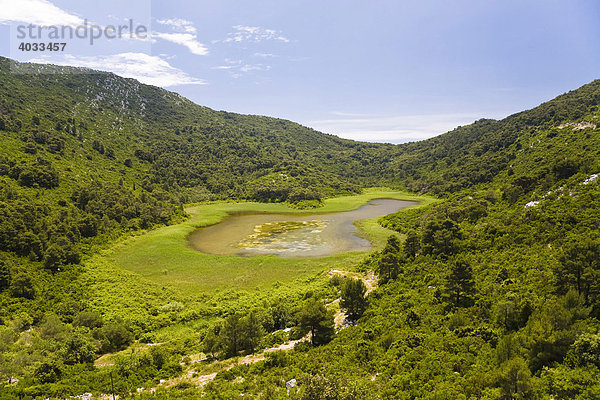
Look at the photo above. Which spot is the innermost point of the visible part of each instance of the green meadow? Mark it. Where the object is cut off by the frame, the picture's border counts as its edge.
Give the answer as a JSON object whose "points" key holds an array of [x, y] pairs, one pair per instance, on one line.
{"points": [[159, 266]]}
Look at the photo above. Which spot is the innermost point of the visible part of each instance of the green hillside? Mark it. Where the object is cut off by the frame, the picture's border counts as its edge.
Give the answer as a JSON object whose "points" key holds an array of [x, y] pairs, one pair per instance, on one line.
{"points": [[494, 293]]}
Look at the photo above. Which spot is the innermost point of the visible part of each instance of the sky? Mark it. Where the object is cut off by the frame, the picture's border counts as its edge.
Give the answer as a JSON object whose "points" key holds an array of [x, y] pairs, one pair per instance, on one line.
{"points": [[376, 70]]}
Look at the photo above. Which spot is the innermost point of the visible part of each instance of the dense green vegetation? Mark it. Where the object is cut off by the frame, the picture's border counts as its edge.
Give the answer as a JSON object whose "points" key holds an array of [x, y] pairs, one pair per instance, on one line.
{"points": [[506, 311], [492, 292]]}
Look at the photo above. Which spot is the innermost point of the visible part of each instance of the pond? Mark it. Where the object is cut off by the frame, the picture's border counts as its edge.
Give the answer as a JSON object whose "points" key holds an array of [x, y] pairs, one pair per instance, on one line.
{"points": [[291, 234]]}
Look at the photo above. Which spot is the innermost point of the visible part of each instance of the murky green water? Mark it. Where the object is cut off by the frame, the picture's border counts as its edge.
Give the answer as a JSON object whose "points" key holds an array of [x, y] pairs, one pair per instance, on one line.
{"points": [[291, 235]]}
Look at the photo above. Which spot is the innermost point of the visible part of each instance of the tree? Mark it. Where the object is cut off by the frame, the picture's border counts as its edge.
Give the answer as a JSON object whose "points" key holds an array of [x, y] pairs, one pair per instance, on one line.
{"points": [[61, 252], [160, 356], [515, 378], [412, 244], [212, 343], [7, 366], [252, 331], [4, 276], [40, 174], [580, 268], [48, 371], [89, 319], [114, 336], [353, 298], [393, 245], [22, 286], [460, 283], [586, 350], [565, 168], [99, 147], [512, 313], [280, 315], [315, 318], [388, 267], [52, 328], [231, 334], [79, 347], [441, 237]]}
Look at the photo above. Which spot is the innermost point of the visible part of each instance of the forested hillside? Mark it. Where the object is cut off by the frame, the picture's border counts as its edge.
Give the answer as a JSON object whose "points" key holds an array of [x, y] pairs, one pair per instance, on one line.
{"points": [[494, 293], [89, 156], [553, 137]]}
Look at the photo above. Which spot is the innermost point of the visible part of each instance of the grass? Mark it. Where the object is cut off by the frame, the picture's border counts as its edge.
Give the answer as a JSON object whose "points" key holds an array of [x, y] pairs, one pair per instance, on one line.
{"points": [[160, 263]]}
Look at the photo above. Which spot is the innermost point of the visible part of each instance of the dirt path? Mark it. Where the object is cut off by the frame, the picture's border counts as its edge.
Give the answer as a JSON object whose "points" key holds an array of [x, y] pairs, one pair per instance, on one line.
{"points": [[370, 279], [191, 375], [203, 379]]}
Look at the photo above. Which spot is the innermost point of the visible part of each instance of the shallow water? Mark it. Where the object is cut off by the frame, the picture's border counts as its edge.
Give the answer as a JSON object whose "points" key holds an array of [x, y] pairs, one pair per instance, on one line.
{"points": [[291, 235]]}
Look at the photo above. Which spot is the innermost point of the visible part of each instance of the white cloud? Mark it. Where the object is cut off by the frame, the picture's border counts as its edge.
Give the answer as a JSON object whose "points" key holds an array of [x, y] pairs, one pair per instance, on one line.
{"points": [[264, 55], [179, 25], [392, 129], [36, 12], [256, 67], [185, 39], [237, 68], [185, 35], [254, 34], [44, 13], [148, 69]]}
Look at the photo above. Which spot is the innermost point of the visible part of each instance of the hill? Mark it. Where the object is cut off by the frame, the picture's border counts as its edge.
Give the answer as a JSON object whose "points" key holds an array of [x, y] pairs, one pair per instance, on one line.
{"points": [[87, 156], [494, 293]]}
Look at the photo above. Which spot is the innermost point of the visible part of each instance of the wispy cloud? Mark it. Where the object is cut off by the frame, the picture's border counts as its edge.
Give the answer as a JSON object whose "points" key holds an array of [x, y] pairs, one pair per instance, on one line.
{"points": [[185, 39], [253, 34], [148, 69], [391, 129], [179, 25], [237, 68], [36, 12], [349, 114], [265, 55], [185, 35]]}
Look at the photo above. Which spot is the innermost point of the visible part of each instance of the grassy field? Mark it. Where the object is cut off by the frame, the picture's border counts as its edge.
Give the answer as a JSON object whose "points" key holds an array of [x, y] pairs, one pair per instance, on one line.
{"points": [[160, 265]]}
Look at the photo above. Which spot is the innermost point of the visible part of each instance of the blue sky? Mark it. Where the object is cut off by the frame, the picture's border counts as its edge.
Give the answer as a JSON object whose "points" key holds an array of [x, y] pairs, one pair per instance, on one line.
{"points": [[375, 70]]}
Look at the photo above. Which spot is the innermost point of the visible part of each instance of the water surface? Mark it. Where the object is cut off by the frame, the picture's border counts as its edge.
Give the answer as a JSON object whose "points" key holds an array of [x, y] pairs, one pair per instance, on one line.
{"points": [[289, 234]]}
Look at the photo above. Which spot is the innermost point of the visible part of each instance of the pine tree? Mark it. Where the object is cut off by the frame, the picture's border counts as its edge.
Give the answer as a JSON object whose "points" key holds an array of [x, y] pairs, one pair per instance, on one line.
{"points": [[231, 334], [315, 318], [252, 331], [460, 281], [580, 268], [353, 298]]}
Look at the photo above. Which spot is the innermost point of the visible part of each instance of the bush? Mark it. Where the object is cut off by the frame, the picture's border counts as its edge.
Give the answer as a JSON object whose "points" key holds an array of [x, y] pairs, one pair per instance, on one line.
{"points": [[586, 350], [22, 286], [173, 306], [60, 253], [48, 372], [89, 319], [114, 336], [41, 174]]}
